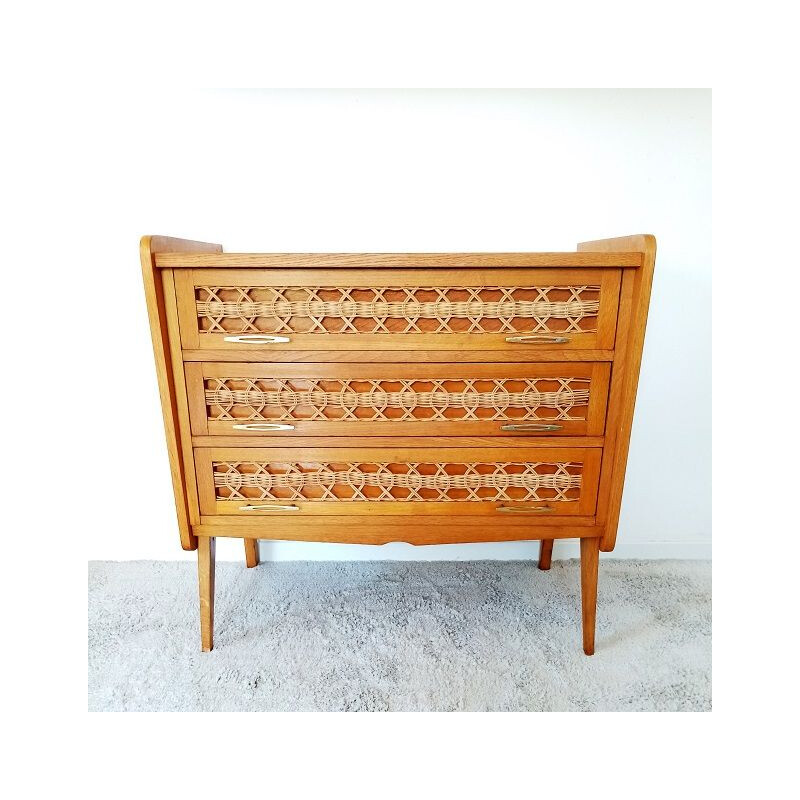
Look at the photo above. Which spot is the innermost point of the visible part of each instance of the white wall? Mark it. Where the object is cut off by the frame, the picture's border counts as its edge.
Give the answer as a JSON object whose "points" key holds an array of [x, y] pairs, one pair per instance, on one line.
{"points": [[403, 171]]}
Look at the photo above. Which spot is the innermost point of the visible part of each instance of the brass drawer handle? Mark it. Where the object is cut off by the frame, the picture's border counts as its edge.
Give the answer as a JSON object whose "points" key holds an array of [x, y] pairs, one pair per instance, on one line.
{"points": [[537, 339], [263, 426], [269, 508], [532, 426], [518, 510], [257, 338]]}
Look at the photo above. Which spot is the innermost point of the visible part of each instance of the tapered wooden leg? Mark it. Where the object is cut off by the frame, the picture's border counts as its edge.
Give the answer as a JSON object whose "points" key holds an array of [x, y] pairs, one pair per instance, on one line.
{"points": [[545, 553], [206, 557], [590, 558], [251, 552]]}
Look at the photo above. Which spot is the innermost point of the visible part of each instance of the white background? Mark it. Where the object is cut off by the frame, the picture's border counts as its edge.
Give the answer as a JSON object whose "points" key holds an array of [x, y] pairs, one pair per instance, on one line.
{"points": [[405, 170]]}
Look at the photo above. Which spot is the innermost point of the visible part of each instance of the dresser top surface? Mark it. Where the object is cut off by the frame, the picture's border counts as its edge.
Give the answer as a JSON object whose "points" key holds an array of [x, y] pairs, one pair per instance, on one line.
{"points": [[399, 260]]}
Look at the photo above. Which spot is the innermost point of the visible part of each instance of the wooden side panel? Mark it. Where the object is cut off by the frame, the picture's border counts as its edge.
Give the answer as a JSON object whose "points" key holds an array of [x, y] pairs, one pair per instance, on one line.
{"points": [[616, 398], [181, 398], [154, 295], [625, 375]]}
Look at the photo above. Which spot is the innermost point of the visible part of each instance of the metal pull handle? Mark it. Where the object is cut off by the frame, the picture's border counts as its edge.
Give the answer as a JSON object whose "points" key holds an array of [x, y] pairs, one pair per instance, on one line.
{"points": [[269, 508], [531, 426], [257, 338], [537, 339], [263, 426], [518, 510]]}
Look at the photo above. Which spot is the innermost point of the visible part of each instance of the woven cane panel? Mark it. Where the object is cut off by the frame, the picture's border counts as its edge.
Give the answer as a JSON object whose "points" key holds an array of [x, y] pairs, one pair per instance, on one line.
{"points": [[417, 482], [489, 309], [438, 400]]}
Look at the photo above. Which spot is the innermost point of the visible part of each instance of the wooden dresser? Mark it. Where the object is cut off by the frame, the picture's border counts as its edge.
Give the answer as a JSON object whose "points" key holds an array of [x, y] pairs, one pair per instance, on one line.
{"points": [[428, 398]]}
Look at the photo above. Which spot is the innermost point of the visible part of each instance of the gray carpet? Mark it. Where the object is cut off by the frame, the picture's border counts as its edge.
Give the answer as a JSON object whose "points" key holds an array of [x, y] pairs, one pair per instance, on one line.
{"points": [[400, 636]]}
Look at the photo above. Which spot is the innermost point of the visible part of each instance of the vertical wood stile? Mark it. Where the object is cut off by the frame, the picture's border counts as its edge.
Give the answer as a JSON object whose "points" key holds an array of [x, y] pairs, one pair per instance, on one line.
{"points": [[629, 362]]}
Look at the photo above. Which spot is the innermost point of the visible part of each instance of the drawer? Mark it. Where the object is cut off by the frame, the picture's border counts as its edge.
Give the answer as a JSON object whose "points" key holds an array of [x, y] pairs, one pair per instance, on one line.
{"points": [[537, 483], [275, 400], [362, 309]]}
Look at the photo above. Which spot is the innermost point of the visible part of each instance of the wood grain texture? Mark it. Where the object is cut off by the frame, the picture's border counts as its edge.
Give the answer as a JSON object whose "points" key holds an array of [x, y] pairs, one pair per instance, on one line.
{"points": [[181, 399], [462, 441], [616, 398], [149, 247], [251, 552], [177, 259], [431, 530], [519, 356], [605, 345], [590, 559], [537, 512], [169, 245], [625, 370], [206, 569], [399, 277]]}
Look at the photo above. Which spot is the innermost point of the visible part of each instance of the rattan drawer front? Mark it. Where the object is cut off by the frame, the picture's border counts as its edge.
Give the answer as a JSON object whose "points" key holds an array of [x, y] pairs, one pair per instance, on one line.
{"points": [[285, 400], [320, 310], [540, 483]]}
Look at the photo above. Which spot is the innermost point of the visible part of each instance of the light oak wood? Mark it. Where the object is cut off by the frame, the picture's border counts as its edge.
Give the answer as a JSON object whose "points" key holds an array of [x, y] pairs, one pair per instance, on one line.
{"points": [[258, 354], [616, 397], [251, 552], [394, 261], [198, 415], [206, 568], [367, 278], [188, 359], [404, 441], [545, 553], [590, 558], [375, 531], [536, 512], [626, 369], [149, 248], [181, 398]]}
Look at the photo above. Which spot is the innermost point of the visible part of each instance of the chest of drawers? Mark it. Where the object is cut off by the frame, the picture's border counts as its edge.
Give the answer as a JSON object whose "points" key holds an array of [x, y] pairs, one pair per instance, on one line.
{"points": [[428, 398]]}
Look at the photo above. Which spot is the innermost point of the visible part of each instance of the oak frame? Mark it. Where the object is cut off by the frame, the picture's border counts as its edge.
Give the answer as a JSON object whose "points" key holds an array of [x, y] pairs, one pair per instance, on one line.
{"points": [[149, 248], [168, 265]]}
